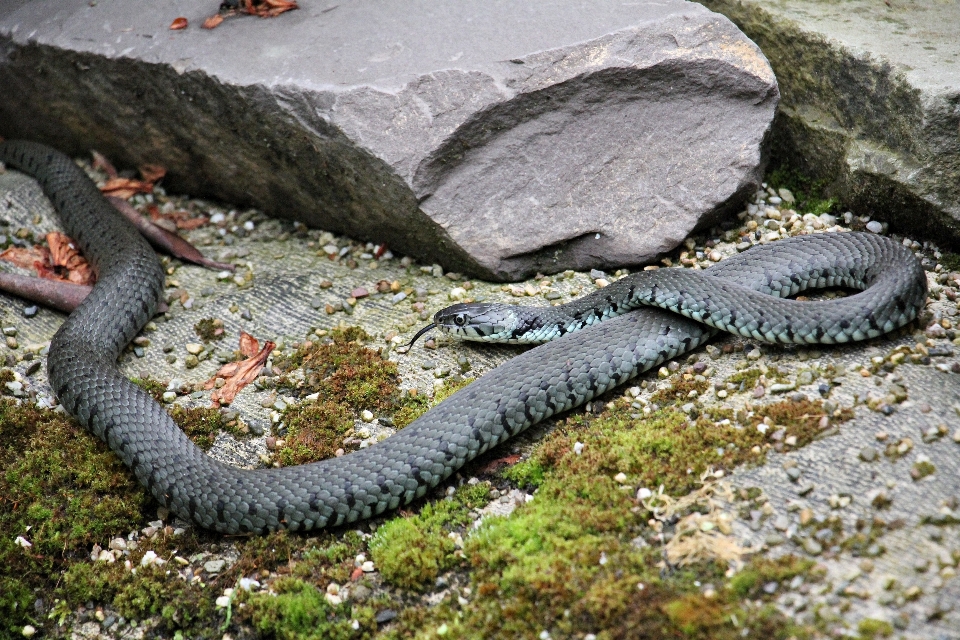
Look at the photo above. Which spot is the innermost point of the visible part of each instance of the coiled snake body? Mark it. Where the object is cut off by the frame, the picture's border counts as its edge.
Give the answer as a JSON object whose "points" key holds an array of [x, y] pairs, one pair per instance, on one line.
{"points": [[738, 294]]}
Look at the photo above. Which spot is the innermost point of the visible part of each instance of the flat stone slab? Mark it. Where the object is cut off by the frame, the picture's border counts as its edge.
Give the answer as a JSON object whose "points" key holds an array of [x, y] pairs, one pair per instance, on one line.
{"points": [[870, 92], [496, 139], [279, 293]]}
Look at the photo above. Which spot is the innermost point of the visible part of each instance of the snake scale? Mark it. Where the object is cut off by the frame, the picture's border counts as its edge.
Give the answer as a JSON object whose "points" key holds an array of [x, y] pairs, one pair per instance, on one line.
{"points": [[741, 294]]}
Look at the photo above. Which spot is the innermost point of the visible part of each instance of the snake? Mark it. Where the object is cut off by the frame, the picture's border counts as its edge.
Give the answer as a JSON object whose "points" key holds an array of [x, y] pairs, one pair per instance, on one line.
{"points": [[622, 335]]}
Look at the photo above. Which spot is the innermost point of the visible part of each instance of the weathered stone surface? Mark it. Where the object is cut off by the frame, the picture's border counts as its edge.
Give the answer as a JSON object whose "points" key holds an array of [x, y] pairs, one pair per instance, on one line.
{"points": [[493, 138], [870, 102]]}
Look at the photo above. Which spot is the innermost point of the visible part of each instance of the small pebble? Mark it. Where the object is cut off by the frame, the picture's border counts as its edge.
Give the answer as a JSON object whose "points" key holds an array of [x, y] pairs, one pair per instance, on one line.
{"points": [[868, 454], [29, 312], [812, 547], [169, 396]]}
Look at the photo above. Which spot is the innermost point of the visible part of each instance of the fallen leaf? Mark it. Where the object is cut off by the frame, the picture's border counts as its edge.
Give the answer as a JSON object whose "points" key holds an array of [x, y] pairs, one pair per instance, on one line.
{"points": [[248, 344], [152, 173], [213, 21], [62, 261], [100, 162], [268, 8], [179, 23], [65, 255], [239, 374], [26, 257], [182, 219], [125, 187]]}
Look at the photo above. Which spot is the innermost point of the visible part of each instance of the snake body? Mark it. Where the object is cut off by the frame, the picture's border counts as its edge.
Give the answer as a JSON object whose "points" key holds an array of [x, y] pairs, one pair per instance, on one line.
{"points": [[549, 379]]}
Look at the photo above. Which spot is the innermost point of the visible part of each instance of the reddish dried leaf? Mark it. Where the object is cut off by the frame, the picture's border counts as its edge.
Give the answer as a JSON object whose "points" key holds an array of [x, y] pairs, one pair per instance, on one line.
{"points": [[125, 187], [179, 23], [268, 8], [100, 162], [248, 344], [26, 257], [182, 219], [152, 173], [213, 21], [65, 255], [239, 374]]}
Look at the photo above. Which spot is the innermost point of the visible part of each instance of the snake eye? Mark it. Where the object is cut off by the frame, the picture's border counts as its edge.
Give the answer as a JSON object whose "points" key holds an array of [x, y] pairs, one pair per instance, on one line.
{"points": [[460, 320]]}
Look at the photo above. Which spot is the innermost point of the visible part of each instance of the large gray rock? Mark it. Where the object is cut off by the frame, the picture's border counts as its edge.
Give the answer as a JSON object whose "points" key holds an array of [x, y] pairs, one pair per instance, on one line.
{"points": [[498, 139], [870, 102]]}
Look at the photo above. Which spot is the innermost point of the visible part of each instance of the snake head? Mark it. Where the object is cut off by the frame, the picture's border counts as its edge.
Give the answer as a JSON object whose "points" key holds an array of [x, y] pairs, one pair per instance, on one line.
{"points": [[477, 321]]}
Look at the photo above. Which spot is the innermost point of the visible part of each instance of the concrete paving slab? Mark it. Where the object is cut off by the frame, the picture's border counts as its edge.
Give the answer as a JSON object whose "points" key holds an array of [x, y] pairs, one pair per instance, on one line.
{"points": [[825, 493], [870, 101], [497, 139]]}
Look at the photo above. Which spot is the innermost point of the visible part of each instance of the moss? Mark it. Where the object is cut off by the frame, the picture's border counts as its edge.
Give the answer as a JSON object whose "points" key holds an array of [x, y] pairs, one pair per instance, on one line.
{"points": [[869, 628], [922, 469], [747, 378], [314, 432], [411, 552], [749, 582], [345, 371], [299, 611], [809, 193], [526, 474], [176, 603], [201, 424], [566, 562], [154, 387], [6, 375], [209, 329], [412, 407], [950, 261], [62, 490]]}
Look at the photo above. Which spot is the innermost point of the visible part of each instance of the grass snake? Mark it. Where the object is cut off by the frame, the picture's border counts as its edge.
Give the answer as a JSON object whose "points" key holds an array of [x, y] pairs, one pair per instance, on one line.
{"points": [[741, 294]]}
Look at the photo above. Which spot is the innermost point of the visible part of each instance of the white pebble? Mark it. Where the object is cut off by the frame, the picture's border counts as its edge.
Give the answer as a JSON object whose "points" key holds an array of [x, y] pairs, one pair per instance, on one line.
{"points": [[28, 631], [366, 415], [223, 602], [458, 293], [217, 217], [620, 477], [23, 542], [169, 396], [874, 227], [248, 225], [578, 448], [643, 493]]}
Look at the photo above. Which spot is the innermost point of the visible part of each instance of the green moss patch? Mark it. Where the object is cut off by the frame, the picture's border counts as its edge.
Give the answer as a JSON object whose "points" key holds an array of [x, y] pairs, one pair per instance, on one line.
{"points": [[209, 329], [314, 432], [299, 611], [411, 552], [61, 491], [810, 194], [344, 370]]}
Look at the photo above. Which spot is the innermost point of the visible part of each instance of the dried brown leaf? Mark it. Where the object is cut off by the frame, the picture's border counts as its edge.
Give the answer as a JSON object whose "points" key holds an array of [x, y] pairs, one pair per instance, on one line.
{"points": [[248, 344], [26, 257], [125, 187], [179, 23], [213, 21], [152, 173], [65, 255], [239, 374]]}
